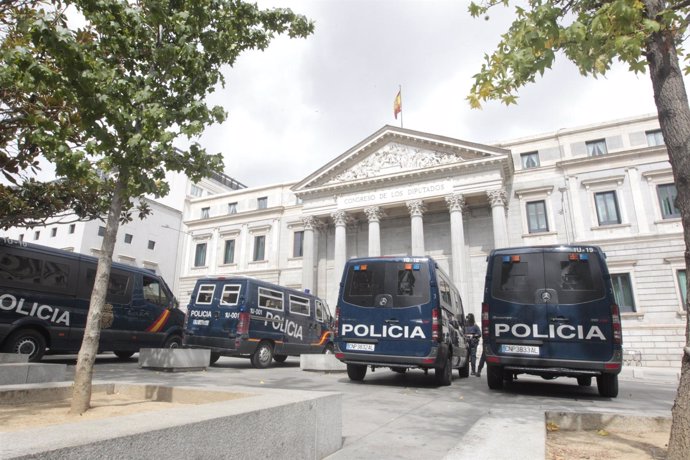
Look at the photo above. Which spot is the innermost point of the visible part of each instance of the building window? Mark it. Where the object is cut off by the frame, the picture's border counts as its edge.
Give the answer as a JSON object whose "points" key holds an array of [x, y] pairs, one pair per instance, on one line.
{"points": [[232, 208], [667, 201], [298, 244], [596, 148], [71, 228], [259, 247], [655, 138], [53, 232], [128, 238], [262, 203], [622, 292], [682, 285], [101, 231], [37, 235], [229, 253], [196, 191], [200, 255], [536, 217], [607, 208], [152, 245], [205, 213], [530, 160]]}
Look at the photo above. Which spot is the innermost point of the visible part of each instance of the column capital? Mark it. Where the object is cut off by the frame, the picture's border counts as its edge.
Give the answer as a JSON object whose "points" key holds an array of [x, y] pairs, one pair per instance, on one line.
{"points": [[416, 208], [374, 213], [340, 217], [310, 222], [455, 202], [497, 197]]}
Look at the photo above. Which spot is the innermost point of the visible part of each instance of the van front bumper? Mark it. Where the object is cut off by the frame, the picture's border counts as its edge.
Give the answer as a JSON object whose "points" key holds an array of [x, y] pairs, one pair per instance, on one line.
{"points": [[436, 357]]}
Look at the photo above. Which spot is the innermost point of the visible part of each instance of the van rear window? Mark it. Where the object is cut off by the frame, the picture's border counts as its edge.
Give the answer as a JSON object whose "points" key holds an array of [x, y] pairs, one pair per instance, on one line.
{"points": [[406, 284], [570, 278]]}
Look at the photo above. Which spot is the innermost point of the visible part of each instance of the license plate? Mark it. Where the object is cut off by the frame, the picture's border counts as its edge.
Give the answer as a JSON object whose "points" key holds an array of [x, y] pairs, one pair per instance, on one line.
{"points": [[359, 346], [520, 349]]}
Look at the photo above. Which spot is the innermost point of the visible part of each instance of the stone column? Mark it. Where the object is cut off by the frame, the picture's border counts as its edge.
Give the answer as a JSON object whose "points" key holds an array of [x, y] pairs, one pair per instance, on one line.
{"points": [[576, 216], [374, 215], [340, 250], [456, 205], [638, 202], [308, 255], [498, 213], [416, 209]]}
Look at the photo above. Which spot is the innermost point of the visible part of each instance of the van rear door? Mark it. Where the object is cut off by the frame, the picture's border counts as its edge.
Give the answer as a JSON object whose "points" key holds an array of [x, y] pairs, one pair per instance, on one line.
{"points": [[386, 309], [214, 311]]}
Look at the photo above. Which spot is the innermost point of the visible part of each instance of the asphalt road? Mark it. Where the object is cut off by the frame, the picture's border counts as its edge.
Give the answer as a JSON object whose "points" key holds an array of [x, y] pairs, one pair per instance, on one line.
{"points": [[389, 415]]}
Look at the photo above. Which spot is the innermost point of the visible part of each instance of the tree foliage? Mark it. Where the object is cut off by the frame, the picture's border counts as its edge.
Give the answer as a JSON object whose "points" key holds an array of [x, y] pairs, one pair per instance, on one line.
{"points": [[647, 35], [117, 82]]}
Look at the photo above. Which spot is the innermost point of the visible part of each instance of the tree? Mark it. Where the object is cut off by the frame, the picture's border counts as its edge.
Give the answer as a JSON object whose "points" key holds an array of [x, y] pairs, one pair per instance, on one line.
{"points": [[644, 34], [136, 74]]}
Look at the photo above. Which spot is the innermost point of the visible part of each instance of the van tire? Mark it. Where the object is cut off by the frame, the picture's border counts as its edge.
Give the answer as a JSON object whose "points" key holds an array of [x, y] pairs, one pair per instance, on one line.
{"points": [[280, 358], [584, 380], [26, 341], [174, 341], [123, 354], [263, 355], [464, 371], [494, 377], [607, 384], [356, 372], [444, 374], [214, 358]]}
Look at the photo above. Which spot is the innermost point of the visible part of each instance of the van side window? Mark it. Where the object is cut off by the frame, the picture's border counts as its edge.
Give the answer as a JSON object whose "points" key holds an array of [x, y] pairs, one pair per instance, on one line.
{"points": [[28, 270], [153, 292], [205, 294], [299, 305], [230, 295], [319, 311], [444, 294], [118, 286], [268, 298]]}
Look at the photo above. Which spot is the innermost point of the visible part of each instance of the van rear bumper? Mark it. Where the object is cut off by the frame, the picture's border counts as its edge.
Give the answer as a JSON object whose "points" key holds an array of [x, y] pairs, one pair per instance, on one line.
{"points": [[224, 346], [435, 358], [555, 367]]}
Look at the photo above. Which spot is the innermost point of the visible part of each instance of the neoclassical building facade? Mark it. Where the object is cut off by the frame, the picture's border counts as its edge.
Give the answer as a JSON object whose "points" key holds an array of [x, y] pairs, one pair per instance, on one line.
{"points": [[404, 192]]}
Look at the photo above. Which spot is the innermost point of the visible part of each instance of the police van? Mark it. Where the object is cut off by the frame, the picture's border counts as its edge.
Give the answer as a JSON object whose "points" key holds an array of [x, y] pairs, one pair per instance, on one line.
{"points": [[401, 313], [44, 303], [247, 317], [550, 311]]}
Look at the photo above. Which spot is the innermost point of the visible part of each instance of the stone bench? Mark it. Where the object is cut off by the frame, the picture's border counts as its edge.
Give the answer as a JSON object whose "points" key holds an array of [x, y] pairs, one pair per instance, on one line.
{"points": [[174, 359], [22, 373], [327, 363]]}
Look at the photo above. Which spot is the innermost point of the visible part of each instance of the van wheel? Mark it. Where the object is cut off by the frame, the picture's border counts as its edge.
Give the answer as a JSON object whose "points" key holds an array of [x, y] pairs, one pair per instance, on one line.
{"points": [[123, 354], [174, 341], [214, 358], [464, 371], [494, 377], [356, 372], [262, 356], [328, 350], [607, 384], [280, 358], [584, 381], [444, 375], [26, 342]]}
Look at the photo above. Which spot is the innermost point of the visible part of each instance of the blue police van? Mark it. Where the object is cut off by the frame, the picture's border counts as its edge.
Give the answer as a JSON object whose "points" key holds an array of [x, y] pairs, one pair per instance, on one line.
{"points": [[44, 303], [400, 313], [550, 311], [247, 317]]}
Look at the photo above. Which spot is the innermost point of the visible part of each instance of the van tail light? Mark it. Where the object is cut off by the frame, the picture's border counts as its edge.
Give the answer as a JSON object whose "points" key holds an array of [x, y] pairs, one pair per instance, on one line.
{"points": [[243, 323], [336, 322], [616, 321], [434, 325], [485, 321]]}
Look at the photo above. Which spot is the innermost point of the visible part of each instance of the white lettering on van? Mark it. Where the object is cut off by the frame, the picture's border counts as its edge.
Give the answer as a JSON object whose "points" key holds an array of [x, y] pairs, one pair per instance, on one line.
{"points": [[563, 331], [8, 302], [200, 314], [287, 326], [393, 331]]}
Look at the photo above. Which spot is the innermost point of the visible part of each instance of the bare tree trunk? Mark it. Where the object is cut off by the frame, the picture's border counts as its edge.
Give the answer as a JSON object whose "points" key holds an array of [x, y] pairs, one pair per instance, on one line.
{"points": [[674, 118], [81, 393]]}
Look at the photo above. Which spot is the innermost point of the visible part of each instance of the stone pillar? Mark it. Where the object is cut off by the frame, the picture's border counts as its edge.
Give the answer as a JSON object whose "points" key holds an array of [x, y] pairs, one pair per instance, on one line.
{"points": [[374, 215], [340, 249], [456, 205], [638, 202], [576, 215], [308, 254], [416, 209], [498, 214]]}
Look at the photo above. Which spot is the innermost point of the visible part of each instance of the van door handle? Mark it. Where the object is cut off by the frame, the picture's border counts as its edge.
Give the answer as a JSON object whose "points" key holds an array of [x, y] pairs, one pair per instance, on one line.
{"points": [[392, 321], [559, 319]]}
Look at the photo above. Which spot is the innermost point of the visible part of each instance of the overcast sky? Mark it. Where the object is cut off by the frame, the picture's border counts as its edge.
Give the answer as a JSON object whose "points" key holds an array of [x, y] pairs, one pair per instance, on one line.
{"points": [[303, 102]]}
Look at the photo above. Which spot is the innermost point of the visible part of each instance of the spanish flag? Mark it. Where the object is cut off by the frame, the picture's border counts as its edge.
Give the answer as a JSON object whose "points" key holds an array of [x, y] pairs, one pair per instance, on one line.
{"points": [[397, 104]]}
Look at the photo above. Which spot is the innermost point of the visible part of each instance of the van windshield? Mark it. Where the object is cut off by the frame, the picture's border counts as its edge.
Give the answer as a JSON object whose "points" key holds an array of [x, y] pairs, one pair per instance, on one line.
{"points": [[569, 278], [403, 284]]}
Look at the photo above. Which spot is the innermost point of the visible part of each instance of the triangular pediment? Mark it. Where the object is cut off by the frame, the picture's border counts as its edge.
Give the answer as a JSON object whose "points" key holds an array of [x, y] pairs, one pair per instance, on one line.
{"points": [[392, 152]]}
